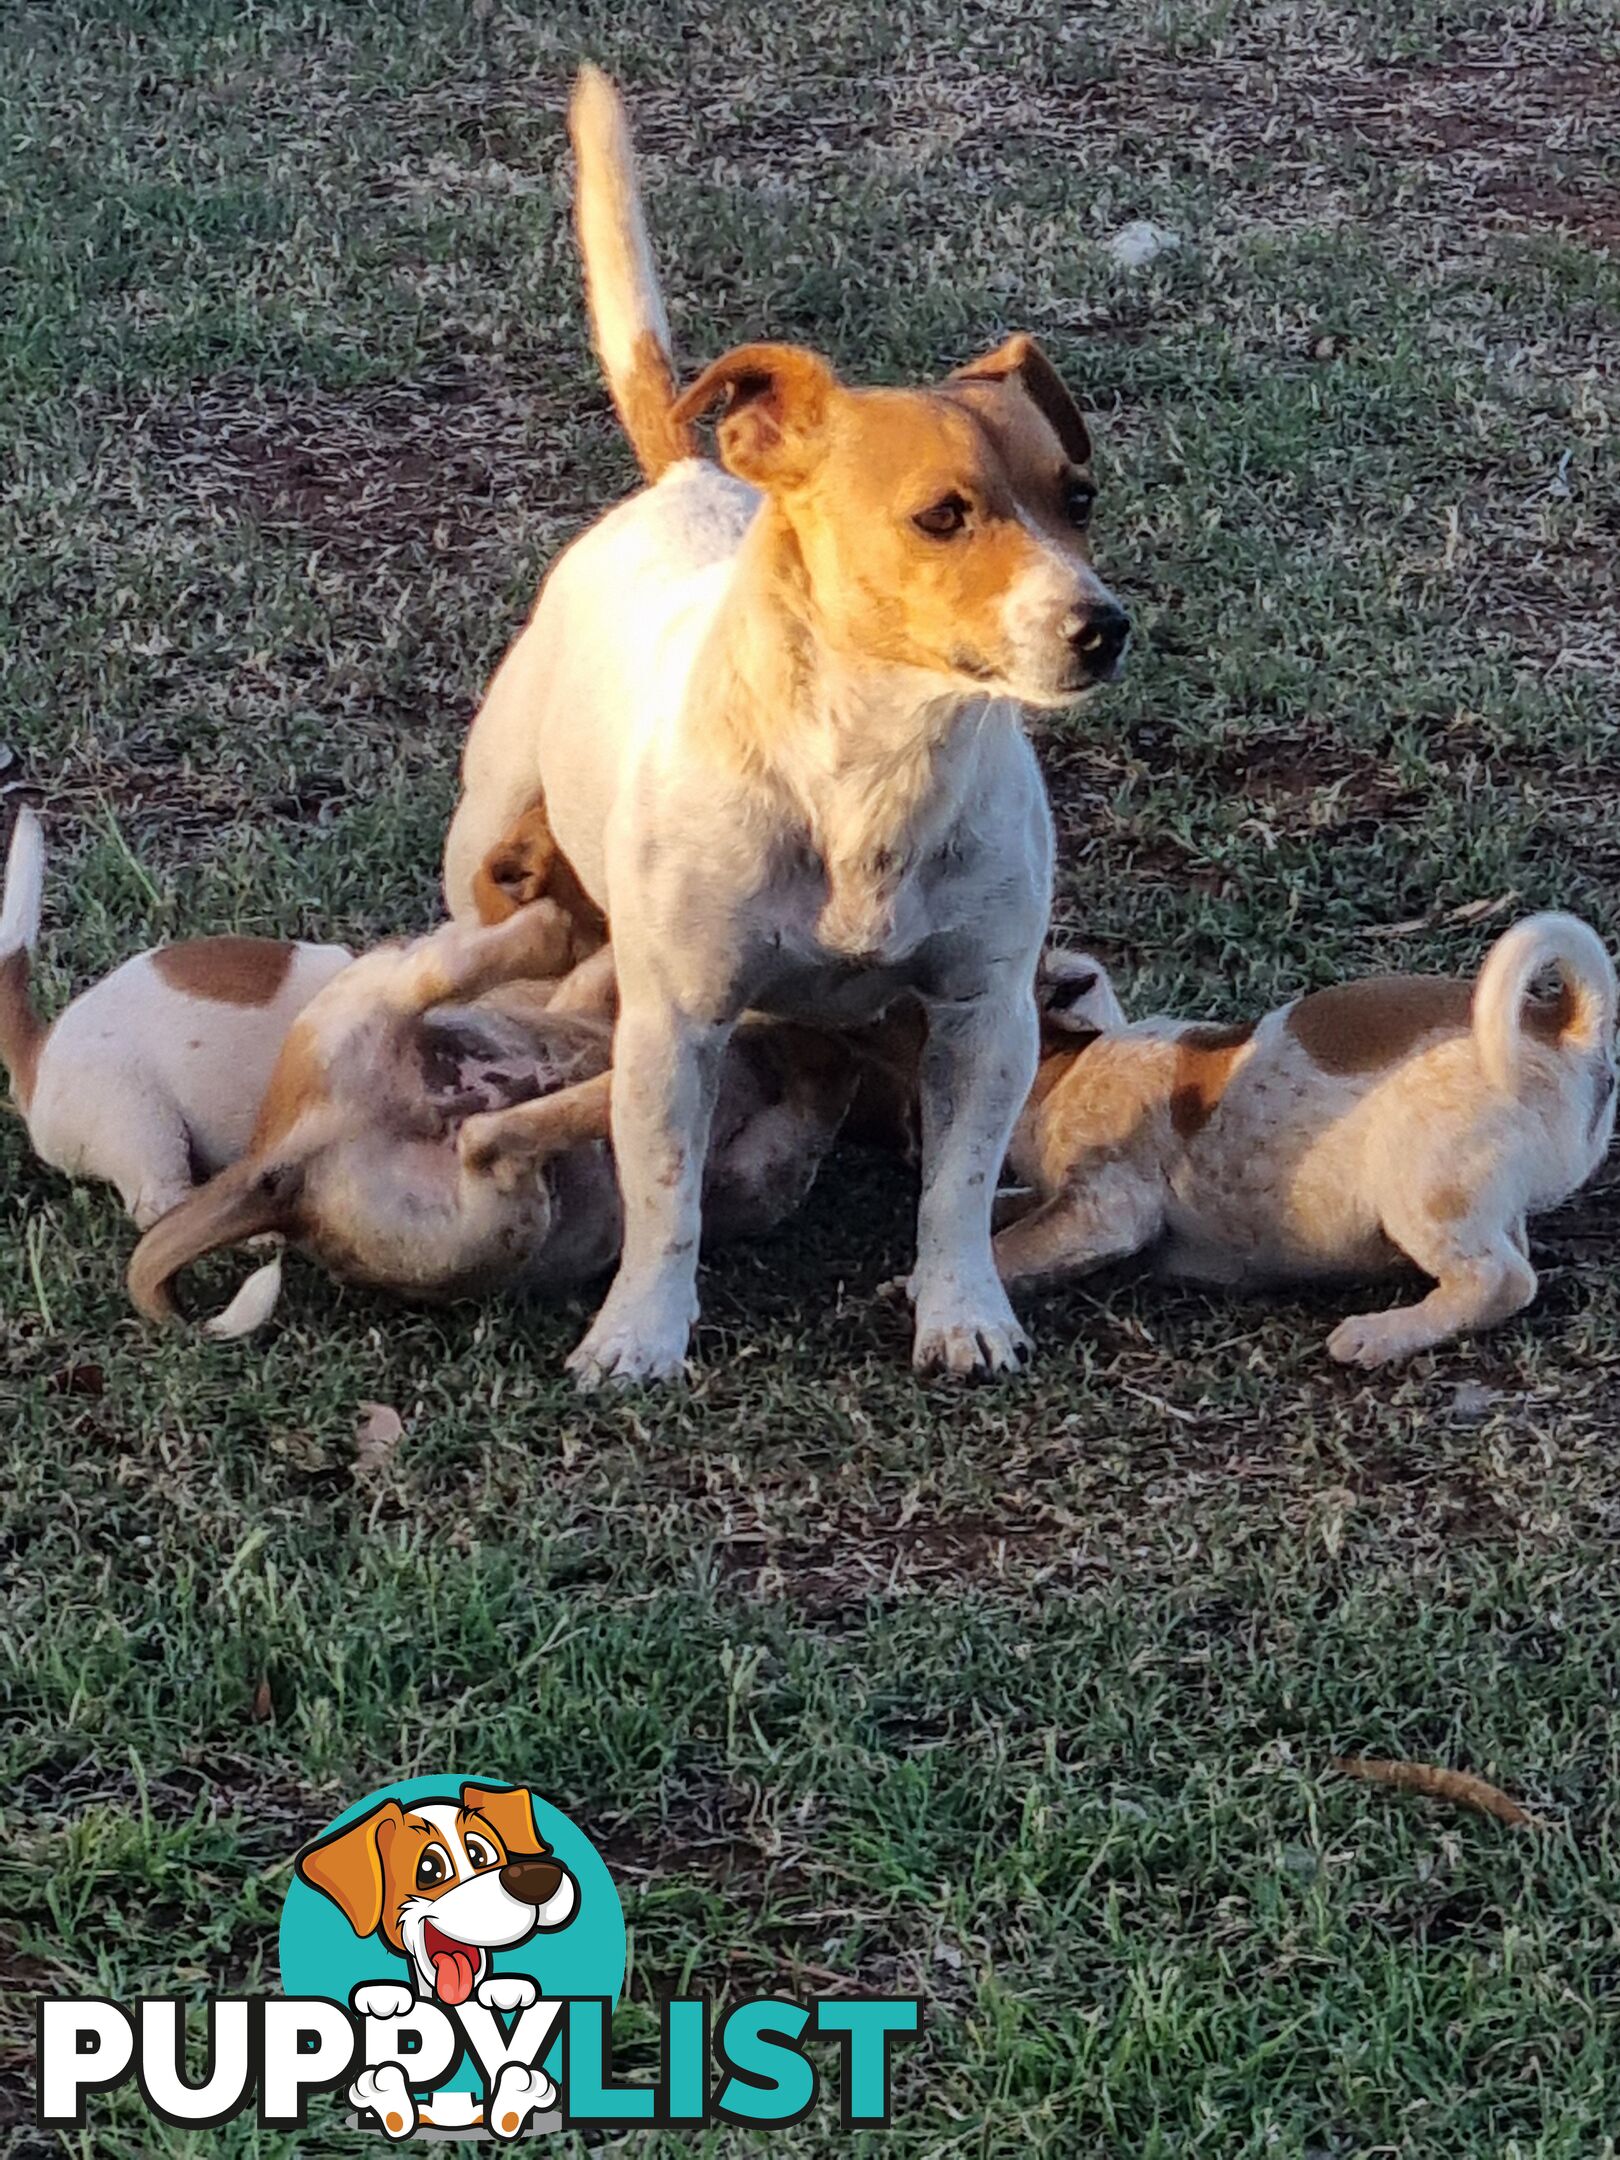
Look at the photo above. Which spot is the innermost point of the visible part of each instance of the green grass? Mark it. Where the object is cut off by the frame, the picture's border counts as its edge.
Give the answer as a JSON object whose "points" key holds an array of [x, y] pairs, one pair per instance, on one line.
{"points": [[1019, 1699]]}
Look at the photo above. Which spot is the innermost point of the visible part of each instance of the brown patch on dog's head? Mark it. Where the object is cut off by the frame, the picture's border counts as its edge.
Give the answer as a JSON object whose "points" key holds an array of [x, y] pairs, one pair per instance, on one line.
{"points": [[1362, 1027], [226, 970], [1205, 1058], [526, 865], [941, 529]]}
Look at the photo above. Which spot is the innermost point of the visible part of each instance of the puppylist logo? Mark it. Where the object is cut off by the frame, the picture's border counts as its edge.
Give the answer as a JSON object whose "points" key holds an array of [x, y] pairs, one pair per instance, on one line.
{"points": [[451, 1952]]}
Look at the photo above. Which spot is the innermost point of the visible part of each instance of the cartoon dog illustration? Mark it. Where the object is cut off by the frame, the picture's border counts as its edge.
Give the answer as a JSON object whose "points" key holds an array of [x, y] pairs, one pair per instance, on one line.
{"points": [[443, 1884]]}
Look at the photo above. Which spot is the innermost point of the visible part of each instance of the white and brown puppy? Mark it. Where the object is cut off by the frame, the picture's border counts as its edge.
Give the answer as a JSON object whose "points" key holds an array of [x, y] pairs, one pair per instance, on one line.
{"points": [[437, 1124], [151, 1079], [1401, 1119], [774, 712]]}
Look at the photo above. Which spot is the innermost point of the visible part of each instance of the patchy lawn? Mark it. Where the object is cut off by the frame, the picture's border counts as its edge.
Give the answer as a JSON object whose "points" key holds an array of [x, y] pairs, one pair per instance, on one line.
{"points": [[1021, 1699]]}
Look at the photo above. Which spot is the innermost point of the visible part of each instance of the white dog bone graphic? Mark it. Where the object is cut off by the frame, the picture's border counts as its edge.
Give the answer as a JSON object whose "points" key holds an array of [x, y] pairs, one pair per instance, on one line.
{"points": [[385, 2092], [383, 1999], [518, 2093], [507, 1991]]}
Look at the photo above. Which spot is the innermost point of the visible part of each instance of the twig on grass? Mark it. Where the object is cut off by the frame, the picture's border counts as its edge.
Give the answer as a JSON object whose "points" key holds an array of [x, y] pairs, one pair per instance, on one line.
{"points": [[1461, 1787]]}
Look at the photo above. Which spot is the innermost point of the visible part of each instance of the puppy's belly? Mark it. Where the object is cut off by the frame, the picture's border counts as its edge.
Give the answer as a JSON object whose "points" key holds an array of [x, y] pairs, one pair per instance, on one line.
{"points": [[1268, 1236]]}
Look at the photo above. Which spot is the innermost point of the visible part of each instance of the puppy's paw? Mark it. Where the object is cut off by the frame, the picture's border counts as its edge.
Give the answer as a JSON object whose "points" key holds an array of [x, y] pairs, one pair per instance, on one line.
{"points": [[383, 1999], [519, 2093], [507, 1991], [384, 2093], [969, 1335], [1370, 1339], [489, 1146]]}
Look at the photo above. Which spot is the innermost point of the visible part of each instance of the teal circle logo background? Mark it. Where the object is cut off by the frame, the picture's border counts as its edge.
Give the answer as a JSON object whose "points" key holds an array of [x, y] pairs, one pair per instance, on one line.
{"points": [[322, 1955]]}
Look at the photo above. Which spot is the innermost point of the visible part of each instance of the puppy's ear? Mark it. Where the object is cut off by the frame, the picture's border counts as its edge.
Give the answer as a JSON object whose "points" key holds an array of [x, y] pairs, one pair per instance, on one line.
{"points": [[347, 1867], [1021, 360], [509, 1811], [1076, 995], [777, 401]]}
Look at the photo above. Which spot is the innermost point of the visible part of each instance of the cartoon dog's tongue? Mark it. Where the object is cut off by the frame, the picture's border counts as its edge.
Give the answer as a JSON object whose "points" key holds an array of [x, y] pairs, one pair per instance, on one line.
{"points": [[455, 1967]]}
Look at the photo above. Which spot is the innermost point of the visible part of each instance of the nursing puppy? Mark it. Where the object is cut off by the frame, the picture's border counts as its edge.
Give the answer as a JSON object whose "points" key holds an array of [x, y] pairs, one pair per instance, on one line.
{"points": [[1404, 1118], [773, 713], [150, 1080], [381, 1150]]}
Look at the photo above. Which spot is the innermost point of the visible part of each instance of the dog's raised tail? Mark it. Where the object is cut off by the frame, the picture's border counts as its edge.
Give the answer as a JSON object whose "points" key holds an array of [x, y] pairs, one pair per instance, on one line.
{"points": [[1580, 1019], [22, 1031], [628, 326]]}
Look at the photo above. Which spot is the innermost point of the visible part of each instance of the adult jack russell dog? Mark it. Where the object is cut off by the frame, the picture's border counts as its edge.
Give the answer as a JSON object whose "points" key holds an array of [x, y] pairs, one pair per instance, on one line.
{"points": [[151, 1079], [443, 1884], [773, 713], [1403, 1119]]}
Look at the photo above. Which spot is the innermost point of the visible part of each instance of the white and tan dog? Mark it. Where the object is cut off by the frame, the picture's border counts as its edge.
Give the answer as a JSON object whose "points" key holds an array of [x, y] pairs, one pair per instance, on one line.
{"points": [[773, 712], [1400, 1119], [151, 1079]]}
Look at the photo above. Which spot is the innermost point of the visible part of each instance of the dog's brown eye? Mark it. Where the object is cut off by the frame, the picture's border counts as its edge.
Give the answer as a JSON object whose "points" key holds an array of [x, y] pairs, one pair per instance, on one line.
{"points": [[1078, 497], [481, 1854], [942, 519], [433, 1868]]}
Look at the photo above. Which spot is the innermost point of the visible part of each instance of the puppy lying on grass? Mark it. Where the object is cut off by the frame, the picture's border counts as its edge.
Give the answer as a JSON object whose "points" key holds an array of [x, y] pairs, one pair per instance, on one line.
{"points": [[1404, 1118], [381, 1152], [151, 1079]]}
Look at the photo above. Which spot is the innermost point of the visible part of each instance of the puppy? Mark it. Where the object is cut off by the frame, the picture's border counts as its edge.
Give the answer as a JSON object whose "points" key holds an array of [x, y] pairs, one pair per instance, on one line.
{"points": [[1404, 1118], [152, 1079], [773, 710], [380, 1152]]}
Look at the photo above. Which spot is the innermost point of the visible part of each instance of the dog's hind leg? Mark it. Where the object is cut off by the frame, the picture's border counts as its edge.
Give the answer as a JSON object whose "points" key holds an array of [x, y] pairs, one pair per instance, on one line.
{"points": [[150, 1163], [1083, 1227], [463, 959], [1477, 1285]]}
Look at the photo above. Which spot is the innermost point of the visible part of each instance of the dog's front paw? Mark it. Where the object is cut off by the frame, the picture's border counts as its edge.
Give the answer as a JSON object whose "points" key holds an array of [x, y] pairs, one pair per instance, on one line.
{"points": [[507, 1991], [1370, 1339], [968, 1335], [642, 1345], [383, 1999], [519, 2093], [385, 2094]]}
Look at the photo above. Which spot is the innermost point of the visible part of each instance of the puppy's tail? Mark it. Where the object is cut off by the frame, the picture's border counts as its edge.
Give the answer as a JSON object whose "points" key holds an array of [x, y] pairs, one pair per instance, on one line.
{"points": [[628, 326], [250, 1199], [22, 1032], [1581, 1019]]}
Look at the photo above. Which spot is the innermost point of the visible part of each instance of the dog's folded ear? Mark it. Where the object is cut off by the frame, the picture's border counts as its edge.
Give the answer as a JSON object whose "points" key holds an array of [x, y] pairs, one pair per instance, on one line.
{"points": [[1022, 361], [509, 1811], [347, 1866], [777, 399], [1076, 995]]}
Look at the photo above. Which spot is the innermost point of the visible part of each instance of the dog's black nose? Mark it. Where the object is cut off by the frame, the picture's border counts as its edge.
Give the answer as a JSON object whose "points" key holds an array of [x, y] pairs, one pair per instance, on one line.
{"points": [[1099, 637], [532, 1882]]}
